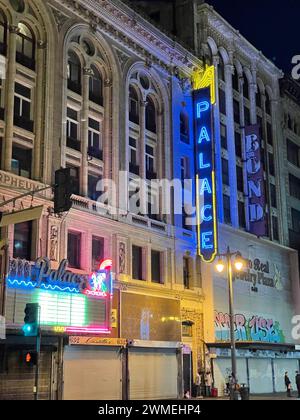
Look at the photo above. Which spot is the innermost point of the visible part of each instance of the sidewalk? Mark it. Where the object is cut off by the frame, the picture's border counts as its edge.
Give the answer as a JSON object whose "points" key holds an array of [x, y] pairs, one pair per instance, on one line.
{"points": [[253, 397]]}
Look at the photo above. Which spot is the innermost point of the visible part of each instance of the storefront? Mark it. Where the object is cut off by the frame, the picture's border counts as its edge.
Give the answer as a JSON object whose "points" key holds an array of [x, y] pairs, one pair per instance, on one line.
{"points": [[93, 368], [264, 305], [152, 328], [70, 305]]}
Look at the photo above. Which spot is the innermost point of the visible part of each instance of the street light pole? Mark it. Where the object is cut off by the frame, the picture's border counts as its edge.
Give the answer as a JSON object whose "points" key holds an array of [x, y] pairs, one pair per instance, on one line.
{"points": [[220, 268], [231, 313]]}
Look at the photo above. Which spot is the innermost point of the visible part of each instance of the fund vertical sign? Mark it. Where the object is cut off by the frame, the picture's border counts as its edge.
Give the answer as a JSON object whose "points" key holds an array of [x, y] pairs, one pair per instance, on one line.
{"points": [[205, 176], [255, 181]]}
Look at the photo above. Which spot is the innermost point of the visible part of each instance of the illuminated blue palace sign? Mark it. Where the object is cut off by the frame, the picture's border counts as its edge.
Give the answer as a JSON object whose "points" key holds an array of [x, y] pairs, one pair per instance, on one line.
{"points": [[205, 176]]}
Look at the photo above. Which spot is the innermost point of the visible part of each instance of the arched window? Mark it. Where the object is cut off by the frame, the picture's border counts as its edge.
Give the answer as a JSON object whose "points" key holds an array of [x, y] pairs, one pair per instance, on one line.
{"points": [[258, 98], [25, 47], [134, 114], [74, 73], [246, 87], [96, 87], [150, 116], [3, 34], [236, 80], [184, 127], [221, 69], [268, 104]]}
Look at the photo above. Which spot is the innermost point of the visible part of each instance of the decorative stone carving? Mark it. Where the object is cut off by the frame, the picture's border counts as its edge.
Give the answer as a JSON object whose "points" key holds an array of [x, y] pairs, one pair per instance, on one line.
{"points": [[122, 58], [60, 18], [122, 257], [53, 254]]}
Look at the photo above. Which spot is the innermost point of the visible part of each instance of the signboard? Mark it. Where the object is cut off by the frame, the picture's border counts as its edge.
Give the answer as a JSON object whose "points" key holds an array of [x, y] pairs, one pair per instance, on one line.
{"points": [[205, 176], [70, 303], [255, 181], [96, 341]]}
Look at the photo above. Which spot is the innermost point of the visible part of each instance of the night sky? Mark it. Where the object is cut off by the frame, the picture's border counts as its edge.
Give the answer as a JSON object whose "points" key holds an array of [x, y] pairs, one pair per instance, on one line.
{"points": [[272, 26]]}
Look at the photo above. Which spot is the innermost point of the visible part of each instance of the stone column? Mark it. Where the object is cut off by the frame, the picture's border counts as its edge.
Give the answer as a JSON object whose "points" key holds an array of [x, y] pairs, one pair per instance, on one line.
{"points": [[143, 192], [87, 72], [253, 91], [39, 111], [9, 102], [231, 146]]}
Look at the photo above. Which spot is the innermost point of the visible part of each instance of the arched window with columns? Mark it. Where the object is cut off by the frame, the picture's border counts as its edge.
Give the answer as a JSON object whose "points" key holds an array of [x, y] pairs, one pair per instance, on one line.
{"points": [[134, 107], [246, 86], [268, 104], [74, 73], [26, 46], [151, 117], [3, 34], [221, 68], [96, 86]]}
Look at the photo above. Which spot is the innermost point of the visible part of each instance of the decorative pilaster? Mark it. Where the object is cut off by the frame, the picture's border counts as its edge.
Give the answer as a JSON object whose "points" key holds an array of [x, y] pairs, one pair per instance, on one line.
{"points": [[87, 73], [39, 111], [9, 105], [218, 153], [229, 69]]}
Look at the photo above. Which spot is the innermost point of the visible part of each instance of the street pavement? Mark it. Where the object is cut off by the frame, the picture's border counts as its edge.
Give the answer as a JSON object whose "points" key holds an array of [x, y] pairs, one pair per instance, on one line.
{"points": [[264, 397]]}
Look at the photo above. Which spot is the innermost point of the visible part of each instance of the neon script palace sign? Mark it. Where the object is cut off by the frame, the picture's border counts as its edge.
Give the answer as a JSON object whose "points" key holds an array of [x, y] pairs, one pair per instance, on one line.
{"points": [[39, 275], [205, 176]]}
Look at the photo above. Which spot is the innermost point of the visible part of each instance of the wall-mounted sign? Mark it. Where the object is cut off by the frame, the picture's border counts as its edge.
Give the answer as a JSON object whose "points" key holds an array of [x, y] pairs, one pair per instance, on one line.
{"points": [[96, 341], [255, 181], [70, 303], [39, 275], [205, 176]]}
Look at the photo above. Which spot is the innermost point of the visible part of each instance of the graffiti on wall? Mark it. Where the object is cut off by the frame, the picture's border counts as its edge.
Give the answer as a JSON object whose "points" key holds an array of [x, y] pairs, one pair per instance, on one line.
{"points": [[256, 328]]}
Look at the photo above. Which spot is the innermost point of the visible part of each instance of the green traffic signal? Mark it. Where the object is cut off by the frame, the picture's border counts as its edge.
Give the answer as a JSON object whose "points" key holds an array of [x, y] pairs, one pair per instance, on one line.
{"points": [[31, 320]]}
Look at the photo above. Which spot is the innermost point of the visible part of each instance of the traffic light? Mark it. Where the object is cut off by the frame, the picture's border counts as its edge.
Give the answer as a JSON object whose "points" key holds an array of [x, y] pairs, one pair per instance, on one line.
{"points": [[31, 320], [63, 190], [30, 358]]}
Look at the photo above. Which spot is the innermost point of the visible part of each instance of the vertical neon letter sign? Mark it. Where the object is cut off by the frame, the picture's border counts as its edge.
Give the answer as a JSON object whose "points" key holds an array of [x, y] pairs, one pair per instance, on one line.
{"points": [[205, 175]]}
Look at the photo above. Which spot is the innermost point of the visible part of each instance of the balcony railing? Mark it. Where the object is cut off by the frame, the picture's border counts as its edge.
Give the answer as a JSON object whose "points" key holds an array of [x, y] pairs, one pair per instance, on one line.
{"points": [[134, 169], [74, 87], [2, 113], [24, 123], [73, 144], [95, 153], [151, 175], [25, 61]]}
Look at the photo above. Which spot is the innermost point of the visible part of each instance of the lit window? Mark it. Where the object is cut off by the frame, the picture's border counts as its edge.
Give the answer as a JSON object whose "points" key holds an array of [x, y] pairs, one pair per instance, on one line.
{"points": [[95, 139], [25, 47], [74, 73]]}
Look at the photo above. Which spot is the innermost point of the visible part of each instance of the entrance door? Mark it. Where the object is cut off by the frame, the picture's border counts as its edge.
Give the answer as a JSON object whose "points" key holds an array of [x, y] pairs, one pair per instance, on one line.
{"points": [[261, 377], [92, 373]]}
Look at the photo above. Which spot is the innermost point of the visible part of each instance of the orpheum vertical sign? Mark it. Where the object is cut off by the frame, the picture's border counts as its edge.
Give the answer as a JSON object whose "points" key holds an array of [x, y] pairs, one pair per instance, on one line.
{"points": [[255, 181], [205, 176]]}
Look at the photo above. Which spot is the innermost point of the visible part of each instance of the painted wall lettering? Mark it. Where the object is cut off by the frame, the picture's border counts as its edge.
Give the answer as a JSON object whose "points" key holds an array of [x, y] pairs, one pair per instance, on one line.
{"points": [[256, 328]]}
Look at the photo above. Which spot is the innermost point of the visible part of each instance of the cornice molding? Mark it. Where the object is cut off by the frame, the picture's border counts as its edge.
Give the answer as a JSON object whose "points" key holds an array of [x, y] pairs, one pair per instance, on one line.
{"points": [[228, 37], [119, 22]]}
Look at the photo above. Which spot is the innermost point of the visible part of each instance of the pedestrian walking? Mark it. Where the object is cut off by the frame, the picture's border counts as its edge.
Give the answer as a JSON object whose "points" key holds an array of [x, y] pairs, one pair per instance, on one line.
{"points": [[198, 384], [208, 383], [288, 384], [297, 380]]}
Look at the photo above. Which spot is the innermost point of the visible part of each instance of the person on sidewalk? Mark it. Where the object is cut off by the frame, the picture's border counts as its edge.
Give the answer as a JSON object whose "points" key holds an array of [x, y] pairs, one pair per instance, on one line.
{"points": [[198, 384], [288, 384], [297, 380]]}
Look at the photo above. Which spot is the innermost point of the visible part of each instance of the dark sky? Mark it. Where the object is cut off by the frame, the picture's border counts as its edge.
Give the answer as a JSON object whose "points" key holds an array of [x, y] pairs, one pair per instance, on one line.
{"points": [[272, 26]]}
